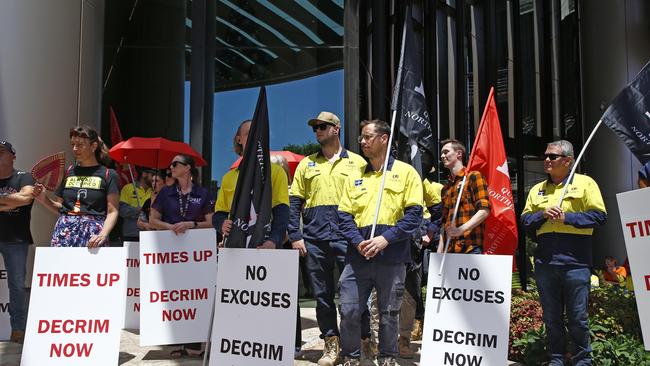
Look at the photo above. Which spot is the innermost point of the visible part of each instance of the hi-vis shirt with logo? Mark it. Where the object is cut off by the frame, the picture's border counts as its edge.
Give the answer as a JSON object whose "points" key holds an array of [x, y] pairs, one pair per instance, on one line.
{"points": [[279, 190], [400, 213], [582, 197], [316, 191]]}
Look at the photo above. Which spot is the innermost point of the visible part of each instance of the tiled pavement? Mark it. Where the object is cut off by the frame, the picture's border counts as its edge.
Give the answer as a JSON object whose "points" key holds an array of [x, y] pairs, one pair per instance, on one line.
{"points": [[132, 354]]}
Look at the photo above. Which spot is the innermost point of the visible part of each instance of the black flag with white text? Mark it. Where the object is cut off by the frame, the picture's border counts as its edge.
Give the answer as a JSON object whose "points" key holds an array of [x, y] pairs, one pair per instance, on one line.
{"points": [[251, 206], [629, 115], [415, 143]]}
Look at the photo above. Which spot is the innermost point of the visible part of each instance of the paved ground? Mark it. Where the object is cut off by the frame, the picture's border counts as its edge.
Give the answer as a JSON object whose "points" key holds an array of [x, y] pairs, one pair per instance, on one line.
{"points": [[132, 354]]}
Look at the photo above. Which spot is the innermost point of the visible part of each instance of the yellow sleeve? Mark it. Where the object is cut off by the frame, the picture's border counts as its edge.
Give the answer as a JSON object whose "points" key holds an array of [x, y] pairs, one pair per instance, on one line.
{"points": [[414, 194], [279, 186], [593, 198], [298, 184], [345, 204], [226, 192], [530, 206], [126, 192]]}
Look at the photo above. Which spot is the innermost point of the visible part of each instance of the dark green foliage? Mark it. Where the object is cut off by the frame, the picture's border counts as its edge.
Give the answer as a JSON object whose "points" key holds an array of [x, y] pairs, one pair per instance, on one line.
{"points": [[614, 324], [305, 149]]}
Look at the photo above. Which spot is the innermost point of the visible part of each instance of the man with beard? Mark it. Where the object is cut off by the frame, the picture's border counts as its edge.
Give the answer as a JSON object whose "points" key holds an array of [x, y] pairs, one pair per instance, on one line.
{"points": [[315, 193], [132, 198]]}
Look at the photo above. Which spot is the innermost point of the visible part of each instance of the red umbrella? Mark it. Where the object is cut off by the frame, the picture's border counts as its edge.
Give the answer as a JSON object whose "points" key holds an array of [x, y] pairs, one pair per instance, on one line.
{"points": [[152, 152], [292, 158]]}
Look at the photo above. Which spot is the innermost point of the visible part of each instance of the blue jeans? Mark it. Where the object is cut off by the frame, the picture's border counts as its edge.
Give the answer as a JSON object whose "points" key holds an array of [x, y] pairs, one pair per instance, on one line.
{"points": [[322, 256], [357, 282], [15, 258], [565, 288]]}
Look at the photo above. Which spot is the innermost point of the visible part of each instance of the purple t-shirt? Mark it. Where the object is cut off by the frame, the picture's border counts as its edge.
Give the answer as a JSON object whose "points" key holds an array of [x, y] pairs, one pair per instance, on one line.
{"points": [[190, 207]]}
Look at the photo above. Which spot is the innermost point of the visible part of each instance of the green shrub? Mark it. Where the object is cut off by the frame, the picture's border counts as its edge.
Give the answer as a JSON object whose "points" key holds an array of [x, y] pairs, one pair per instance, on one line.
{"points": [[613, 321]]}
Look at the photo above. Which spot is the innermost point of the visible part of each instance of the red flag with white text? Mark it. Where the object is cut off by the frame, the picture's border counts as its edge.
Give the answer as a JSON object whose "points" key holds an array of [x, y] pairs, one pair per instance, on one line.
{"points": [[489, 157], [116, 137]]}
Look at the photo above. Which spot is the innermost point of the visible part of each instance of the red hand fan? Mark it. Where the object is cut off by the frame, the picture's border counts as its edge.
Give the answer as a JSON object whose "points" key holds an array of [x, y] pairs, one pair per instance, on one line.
{"points": [[49, 171]]}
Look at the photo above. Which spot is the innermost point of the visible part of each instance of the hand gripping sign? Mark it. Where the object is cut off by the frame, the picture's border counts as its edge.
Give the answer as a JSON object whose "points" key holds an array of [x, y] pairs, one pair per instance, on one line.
{"points": [[467, 313], [177, 278], [255, 311], [76, 307]]}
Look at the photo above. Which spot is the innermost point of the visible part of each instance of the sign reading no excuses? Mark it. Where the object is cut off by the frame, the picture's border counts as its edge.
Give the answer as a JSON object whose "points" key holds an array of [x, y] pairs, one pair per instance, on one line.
{"points": [[255, 312], [75, 308], [177, 278], [467, 314]]}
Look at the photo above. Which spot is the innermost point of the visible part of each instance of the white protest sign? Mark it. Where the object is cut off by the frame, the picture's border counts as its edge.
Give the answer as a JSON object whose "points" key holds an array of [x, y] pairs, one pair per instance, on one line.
{"points": [[467, 315], [76, 307], [5, 325], [255, 312], [132, 310], [177, 279], [635, 219]]}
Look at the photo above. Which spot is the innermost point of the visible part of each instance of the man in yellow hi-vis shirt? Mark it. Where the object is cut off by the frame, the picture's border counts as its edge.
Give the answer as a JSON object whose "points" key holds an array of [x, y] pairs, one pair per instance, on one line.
{"points": [[131, 203], [314, 195], [563, 257], [379, 261]]}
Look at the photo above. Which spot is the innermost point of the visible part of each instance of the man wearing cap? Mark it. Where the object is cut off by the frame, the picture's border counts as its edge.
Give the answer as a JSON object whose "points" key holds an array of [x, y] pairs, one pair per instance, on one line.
{"points": [[132, 198], [315, 193], [16, 188]]}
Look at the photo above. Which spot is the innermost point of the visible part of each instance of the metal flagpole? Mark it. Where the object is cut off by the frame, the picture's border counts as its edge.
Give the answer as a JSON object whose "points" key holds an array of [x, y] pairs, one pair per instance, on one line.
{"points": [[575, 164], [453, 220], [398, 81], [135, 187]]}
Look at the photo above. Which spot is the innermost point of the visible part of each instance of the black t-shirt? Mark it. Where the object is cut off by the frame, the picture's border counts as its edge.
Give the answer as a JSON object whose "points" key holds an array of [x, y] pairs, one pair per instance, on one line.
{"points": [[14, 224], [84, 190]]}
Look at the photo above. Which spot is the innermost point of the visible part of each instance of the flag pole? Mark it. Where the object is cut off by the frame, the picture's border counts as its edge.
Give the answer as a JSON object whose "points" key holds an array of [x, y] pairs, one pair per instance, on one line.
{"points": [[575, 164], [392, 125], [135, 188]]}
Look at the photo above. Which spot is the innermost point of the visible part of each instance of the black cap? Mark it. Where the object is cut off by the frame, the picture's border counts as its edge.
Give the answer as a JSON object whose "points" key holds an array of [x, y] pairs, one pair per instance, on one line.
{"points": [[7, 146]]}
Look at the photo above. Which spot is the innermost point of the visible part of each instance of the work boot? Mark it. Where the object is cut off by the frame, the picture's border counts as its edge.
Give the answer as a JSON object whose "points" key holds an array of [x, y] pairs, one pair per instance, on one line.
{"points": [[386, 361], [369, 352], [348, 361], [17, 336], [404, 347], [330, 351], [416, 334]]}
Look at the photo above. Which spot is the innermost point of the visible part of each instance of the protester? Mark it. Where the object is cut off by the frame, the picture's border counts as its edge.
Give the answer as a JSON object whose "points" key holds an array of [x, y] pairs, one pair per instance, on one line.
{"points": [[16, 200], [412, 312], [314, 197], [280, 197], [159, 181], [88, 198], [183, 206], [379, 261], [614, 274], [563, 256], [466, 232], [132, 199]]}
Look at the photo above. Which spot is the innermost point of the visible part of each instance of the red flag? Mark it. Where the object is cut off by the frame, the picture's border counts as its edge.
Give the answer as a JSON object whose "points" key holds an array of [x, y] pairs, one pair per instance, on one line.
{"points": [[489, 157], [116, 137]]}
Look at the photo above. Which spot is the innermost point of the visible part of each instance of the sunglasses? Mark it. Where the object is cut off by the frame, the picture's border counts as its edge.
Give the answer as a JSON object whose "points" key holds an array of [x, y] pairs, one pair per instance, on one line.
{"points": [[174, 164], [553, 156], [322, 126]]}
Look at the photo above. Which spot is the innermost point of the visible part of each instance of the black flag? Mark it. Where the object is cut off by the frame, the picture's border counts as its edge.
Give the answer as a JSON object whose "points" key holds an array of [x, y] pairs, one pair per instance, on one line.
{"points": [[629, 115], [251, 206], [416, 143]]}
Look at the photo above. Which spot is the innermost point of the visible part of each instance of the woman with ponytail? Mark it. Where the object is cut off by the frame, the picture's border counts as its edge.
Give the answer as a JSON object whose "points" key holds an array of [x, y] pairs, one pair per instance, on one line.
{"points": [[88, 197]]}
